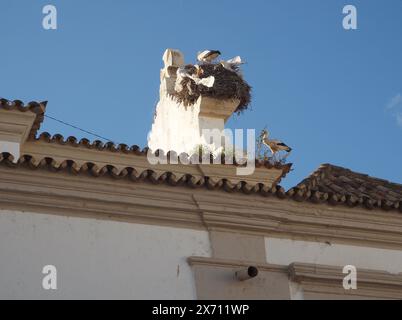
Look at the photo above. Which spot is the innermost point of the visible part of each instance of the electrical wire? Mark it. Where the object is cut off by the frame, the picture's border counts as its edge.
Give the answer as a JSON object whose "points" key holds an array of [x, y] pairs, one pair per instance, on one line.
{"points": [[78, 128]]}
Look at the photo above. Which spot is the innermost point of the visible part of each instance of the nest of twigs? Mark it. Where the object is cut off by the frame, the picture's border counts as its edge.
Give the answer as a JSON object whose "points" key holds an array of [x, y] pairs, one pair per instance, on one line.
{"points": [[228, 86]]}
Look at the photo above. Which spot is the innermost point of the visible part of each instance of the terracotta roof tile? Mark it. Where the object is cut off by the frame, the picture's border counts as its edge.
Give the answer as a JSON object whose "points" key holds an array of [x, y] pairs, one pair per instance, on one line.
{"points": [[36, 107], [300, 193], [110, 146], [344, 186], [132, 174]]}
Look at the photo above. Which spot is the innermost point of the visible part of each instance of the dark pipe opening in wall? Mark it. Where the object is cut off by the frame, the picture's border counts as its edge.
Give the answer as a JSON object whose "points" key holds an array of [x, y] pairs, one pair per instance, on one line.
{"points": [[252, 272], [246, 273]]}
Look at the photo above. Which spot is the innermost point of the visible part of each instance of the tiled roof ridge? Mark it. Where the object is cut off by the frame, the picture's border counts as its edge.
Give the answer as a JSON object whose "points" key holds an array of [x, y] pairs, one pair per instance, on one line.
{"points": [[312, 180], [37, 108], [33, 106], [336, 169], [135, 149], [342, 185], [132, 174], [296, 193], [326, 170]]}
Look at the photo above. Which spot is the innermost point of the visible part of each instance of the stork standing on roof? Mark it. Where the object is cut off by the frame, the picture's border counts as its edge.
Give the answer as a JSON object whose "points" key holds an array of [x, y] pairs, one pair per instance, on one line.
{"points": [[274, 145], [207, 56]]}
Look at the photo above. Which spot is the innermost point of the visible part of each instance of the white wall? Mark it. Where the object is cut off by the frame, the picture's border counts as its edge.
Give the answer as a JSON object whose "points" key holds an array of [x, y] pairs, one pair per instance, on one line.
{"points": [[286, 251], [95, 258]]}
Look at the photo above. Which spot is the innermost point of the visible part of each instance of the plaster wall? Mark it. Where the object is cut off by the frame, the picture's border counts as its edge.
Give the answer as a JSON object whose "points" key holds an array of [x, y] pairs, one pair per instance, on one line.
{"points": [[287, 251], [96, 259]]}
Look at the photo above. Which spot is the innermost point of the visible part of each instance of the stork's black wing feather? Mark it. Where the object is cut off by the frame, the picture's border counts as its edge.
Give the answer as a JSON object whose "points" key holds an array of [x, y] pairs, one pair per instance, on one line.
{"points": [[285, 146], [212, 52]]}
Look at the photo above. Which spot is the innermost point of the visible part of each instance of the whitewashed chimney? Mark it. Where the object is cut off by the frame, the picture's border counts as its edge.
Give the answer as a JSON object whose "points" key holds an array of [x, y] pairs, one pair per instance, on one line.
{"points": [[177, 127]]}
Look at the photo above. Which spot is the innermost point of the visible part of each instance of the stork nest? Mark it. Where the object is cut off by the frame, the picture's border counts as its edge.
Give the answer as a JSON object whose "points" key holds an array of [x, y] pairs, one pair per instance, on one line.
{"points": [[228, 86]]}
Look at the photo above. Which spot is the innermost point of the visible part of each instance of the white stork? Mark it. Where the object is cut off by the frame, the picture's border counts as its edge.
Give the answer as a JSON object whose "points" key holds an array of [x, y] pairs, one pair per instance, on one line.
{"points": [[207, 56], [274, 145]]}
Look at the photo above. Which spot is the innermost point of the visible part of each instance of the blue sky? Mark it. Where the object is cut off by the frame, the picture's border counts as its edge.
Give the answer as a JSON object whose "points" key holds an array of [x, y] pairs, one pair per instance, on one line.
{"points": [[335, 96]]}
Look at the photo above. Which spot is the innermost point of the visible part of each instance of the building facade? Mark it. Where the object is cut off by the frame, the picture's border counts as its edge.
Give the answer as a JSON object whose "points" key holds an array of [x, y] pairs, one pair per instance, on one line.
{"points": [[115, 226]]}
